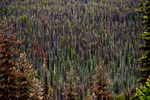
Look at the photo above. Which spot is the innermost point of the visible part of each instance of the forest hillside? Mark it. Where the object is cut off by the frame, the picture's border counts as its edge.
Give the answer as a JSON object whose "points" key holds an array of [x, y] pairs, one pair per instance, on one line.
{"points": [[72, 43]]}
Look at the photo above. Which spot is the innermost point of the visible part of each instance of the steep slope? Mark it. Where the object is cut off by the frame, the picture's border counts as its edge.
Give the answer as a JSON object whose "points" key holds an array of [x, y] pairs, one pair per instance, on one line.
{"points": [[65, 31]]}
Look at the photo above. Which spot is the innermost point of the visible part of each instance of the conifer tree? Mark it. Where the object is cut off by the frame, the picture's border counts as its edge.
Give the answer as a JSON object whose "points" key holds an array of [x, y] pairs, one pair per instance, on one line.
{"points": [[144, 92], [36, 86], [15, 83], [145, 59], [70, 86], [8, 80], [24, 79], [101, 89], [45, 85], [36, 90], [45, 89]]}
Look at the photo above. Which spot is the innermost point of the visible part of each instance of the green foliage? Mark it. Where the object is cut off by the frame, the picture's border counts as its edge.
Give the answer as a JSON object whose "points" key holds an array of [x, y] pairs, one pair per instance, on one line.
{"points": [[119, 97], [144, 92], [82, 33], [145, 59]]}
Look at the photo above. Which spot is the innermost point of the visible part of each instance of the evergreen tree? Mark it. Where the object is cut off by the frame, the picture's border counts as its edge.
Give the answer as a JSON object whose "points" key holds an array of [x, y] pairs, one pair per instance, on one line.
{"points": [[8, 80], [145, 59], [45, 89], [36, 86], [45, 85], [70, 86], [36, 90], [101, 89], [24, 79], [15, 83], [144, 92]]}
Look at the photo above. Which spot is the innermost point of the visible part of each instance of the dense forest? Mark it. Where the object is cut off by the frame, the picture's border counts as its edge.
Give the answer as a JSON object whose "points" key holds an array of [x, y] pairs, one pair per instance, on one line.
{"points": [[74, 49]]}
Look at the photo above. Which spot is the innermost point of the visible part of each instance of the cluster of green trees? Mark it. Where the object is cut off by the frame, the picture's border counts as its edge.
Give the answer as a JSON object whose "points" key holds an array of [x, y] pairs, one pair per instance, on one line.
{"points": [[144, 92], [58, 34]]}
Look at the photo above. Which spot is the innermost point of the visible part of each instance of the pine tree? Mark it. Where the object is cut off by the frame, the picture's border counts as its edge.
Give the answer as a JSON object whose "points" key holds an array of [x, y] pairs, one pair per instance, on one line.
{"points": [[144, 92], [8, 80], [101, 89], [15, 83], [70, 86], [46, 90], [145, 59], [36, 86], [24, 78], [36, 90]]}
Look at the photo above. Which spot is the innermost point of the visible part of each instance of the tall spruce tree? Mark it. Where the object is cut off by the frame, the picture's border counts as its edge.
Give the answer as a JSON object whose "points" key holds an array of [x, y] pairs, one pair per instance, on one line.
{"points": [[8, 80], [145, 59], [70, 86], [101, 89]]}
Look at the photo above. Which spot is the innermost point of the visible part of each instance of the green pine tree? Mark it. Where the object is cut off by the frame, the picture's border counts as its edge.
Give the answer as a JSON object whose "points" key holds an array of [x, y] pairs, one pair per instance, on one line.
{"points": [[144, 92], [145, 59]]}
